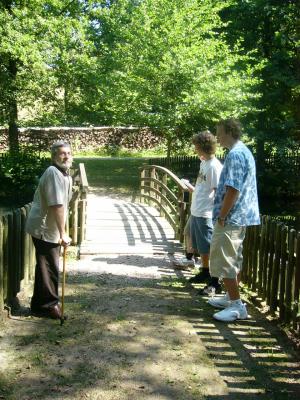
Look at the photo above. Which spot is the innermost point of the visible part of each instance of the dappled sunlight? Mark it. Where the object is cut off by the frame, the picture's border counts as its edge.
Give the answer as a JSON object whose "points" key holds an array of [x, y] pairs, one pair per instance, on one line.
{"points": [[139, 338], [249, 358]]}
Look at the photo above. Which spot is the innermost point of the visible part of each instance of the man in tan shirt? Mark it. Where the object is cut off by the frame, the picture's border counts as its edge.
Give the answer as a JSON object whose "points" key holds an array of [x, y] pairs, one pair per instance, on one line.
{"points": [[46, 224]]}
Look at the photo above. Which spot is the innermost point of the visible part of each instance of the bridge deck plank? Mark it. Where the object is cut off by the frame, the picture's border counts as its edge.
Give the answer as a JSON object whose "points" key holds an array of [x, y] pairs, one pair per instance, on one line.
{"points": [[121, 227]]}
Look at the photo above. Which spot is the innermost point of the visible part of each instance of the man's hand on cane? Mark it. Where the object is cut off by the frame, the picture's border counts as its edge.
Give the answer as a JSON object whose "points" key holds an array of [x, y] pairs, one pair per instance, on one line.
{"points": [[65, 240]]}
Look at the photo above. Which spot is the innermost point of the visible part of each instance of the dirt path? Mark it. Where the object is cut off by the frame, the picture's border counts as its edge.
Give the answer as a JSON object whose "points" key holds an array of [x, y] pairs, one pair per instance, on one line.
{"points": [[137, 331]]}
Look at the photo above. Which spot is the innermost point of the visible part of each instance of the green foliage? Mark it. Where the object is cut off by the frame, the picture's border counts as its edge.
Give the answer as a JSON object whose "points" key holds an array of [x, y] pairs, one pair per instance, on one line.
{"points": [[119, 151], [170, 67], [19, 175], [175, 66], [271, 28], [46, 42]]}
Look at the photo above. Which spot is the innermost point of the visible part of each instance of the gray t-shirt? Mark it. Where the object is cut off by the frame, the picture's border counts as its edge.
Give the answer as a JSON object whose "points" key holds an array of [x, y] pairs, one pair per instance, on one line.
{"points": [[54, 188]]}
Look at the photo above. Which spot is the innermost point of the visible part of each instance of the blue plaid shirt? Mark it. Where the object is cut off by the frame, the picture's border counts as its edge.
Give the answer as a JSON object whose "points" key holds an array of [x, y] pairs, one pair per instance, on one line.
{"points": [[239, 172]]}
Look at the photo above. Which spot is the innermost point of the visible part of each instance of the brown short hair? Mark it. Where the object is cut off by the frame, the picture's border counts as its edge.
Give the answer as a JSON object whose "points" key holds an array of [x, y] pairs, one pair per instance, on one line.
{"points": [[232, 127], [206, 142]]}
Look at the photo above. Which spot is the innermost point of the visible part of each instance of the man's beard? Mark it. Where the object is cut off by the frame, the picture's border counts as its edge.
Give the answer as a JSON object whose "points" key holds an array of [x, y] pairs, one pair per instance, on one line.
{"points": [[64, 165]]}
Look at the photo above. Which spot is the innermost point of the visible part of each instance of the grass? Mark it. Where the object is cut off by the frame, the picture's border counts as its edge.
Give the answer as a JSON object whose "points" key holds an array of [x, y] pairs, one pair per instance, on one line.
{"points": [[111, 151], [121, 175]]}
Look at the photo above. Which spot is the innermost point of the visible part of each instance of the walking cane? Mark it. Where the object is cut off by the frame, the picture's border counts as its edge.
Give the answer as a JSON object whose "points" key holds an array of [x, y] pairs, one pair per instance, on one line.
{"points": [[62, 318]]}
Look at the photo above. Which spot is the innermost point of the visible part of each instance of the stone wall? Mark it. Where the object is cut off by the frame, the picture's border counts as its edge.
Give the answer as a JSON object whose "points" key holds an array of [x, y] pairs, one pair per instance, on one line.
{"points": [[84, 138]]}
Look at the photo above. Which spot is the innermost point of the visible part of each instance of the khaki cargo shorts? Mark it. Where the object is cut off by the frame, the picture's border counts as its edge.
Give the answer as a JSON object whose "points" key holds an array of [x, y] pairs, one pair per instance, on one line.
{"points": [[226, 249]]}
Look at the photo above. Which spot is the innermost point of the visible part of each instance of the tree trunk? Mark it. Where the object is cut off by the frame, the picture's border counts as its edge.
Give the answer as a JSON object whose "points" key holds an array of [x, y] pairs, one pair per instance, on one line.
{"points": [[66, 100], [296, 100], [169, 147], [13, 132], [260, 154]]}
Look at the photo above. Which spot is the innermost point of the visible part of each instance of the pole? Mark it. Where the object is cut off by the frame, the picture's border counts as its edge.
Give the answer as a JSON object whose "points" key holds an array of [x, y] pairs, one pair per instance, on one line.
{"points": [[62, 318]]}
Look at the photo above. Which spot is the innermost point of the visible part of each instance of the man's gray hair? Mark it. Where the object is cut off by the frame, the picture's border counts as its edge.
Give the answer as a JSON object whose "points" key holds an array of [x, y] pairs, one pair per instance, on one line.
{"points": [[56, 146]]}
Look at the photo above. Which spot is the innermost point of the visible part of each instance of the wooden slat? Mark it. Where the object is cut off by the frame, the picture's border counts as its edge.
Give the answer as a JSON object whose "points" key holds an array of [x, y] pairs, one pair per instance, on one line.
{"points": [[255, 256], [175, 178], [283, 266], [266, 258], [83, 178], [162, 185], [25, 244], [270, 260], [296, 308], [157, 201], [289, 289], [244, 274], [261, 258], [250, 256], [5, 256], [276, 270], [1, 268], [167, 212], [17, 252]]}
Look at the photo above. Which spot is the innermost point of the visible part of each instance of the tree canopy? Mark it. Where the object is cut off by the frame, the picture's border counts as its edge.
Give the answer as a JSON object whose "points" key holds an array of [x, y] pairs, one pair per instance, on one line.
{"points": [[173, 65]]}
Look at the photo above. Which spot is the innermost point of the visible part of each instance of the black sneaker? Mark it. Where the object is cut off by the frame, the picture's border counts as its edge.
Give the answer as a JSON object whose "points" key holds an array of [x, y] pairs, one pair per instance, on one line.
{"points": [[202, 277], [213, 287]]}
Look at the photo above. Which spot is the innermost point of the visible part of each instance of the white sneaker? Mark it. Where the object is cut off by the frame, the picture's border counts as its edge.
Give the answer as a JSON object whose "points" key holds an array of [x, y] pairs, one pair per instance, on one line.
{"points": [[183, 263], [231, 313], [220, 302]]}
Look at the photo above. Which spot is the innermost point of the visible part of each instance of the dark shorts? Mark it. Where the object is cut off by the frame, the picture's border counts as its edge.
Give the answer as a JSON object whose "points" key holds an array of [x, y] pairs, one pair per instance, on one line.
{"points": [[201, 232]]}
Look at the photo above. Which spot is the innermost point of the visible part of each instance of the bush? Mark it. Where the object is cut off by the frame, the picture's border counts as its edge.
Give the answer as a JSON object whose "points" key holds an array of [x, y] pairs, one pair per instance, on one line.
{"points": [[19, 174]]}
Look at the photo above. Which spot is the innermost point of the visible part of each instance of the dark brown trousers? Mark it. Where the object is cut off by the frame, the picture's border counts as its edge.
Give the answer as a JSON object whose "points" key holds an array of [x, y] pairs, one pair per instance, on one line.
{"points": [[45, 293]]}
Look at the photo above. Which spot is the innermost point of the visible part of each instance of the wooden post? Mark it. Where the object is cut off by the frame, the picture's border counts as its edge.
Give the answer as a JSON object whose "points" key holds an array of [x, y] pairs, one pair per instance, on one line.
{"points": [[82, 220], [10, 253], [289, 283], [182, 208], [296, 311], [1, 269], [270, 259], [256, 232], [276, 268], [266, 258], [152, 186], [143, 175], [17, 252], [30, 253], [5, 256], [283, 265], [75, 222], [26, 250], [163, 192], [262, 245], [244, 275]]}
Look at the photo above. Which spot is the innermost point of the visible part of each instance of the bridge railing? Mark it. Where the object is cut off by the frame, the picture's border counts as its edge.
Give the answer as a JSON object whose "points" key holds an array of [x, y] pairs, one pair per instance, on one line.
{"points": [[164, 190], [271, 252], [76, 225], [17, 253]]}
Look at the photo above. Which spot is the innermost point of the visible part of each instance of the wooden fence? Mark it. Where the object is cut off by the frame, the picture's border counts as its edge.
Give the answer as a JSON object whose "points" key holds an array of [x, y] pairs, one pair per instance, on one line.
{"points": [[271, 263], [17, 254], [271, 268], [185, 163], [277, 174]]}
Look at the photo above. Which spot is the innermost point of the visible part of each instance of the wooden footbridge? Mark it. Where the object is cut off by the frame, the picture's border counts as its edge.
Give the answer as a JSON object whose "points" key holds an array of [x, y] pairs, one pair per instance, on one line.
{"points": [[115, 226], [119, 227]]}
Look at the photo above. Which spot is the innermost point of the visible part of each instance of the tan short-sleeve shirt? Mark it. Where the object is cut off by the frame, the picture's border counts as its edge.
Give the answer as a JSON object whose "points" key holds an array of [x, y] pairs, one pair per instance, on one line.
{"points": [[54, 188]]}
